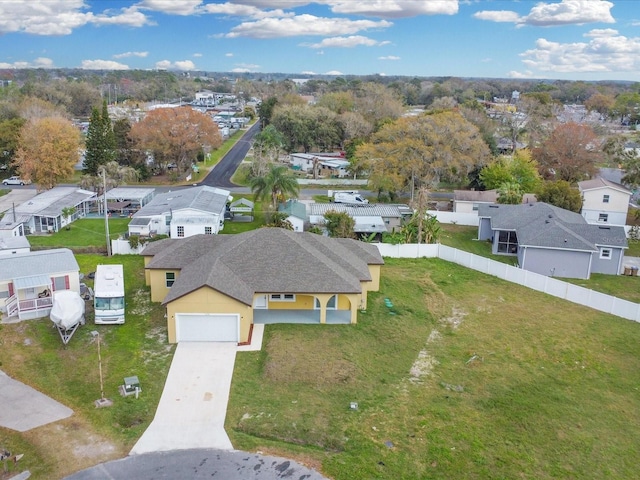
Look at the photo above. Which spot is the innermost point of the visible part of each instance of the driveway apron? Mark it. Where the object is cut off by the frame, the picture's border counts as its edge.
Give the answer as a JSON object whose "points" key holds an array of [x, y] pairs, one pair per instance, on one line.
{"points": [[193, 404]]}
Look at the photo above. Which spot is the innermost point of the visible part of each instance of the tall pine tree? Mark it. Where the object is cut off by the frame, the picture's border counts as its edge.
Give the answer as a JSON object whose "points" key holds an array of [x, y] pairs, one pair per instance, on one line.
{"points": [[100, 142]]}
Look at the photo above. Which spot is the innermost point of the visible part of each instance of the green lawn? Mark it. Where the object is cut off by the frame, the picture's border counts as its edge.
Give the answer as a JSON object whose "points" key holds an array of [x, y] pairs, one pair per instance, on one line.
{"points": [[33, 352], [472, 378], [85, 233], [466, 238]]}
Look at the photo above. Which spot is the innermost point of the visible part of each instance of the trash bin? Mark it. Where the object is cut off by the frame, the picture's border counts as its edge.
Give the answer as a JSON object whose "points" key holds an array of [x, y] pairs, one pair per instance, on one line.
{"points": [[627, 271], [634, 271]]}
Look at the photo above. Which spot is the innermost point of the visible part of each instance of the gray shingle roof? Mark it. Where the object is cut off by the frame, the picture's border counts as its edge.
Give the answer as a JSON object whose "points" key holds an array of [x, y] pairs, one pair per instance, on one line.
{"points": [[206, 199], [369, 210], [42, 262], [544, 225], [600, 182], [266, 260], [51, 202]]}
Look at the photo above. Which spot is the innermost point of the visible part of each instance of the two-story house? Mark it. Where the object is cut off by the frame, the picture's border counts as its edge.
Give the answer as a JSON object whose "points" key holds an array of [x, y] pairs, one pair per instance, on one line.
{"points": [[604, 201]]}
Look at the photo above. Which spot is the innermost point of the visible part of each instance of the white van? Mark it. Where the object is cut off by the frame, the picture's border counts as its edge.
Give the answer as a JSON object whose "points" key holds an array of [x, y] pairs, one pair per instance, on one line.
{"points": [[108, 291], [353, 198]]}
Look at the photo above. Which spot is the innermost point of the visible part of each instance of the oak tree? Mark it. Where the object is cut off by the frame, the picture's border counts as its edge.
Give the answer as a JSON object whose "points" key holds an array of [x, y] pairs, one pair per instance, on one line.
{"points": [[176, 135], [570, 153], [47, 151]]}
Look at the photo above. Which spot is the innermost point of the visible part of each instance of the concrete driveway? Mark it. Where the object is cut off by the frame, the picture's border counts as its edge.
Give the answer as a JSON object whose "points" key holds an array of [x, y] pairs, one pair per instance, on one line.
{"points": [[23, 408], [193, 405], [17, 196]]}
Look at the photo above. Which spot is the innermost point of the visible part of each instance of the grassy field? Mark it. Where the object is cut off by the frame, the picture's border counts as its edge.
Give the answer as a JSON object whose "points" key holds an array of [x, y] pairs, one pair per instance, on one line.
{"points": [[85, 233], [33, 352], [472, 378]]}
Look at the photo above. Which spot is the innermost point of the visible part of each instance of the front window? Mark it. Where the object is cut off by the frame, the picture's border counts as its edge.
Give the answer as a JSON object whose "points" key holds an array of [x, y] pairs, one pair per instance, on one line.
{"points": [[180, 231], [282, 297], [475, 207], [60, 283], [605, 253], [115, 303], [208, 231], [603, 217], [507, 242], [605, 199], [170, 278]]}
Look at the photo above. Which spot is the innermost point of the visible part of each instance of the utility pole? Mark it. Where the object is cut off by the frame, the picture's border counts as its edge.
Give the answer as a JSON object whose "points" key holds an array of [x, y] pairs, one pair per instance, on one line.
{"points": [[106, 211]]}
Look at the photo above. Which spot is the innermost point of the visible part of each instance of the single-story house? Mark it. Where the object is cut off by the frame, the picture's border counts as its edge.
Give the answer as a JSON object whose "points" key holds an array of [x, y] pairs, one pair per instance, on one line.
{"points": [[182, 213], [369, 218], [467, 201], [216, 287], [128, 200], [12, 225], [296, 214], [44, 211], [13, 245], [29, 280], [326, 163], [552, 241], [604, 201]]}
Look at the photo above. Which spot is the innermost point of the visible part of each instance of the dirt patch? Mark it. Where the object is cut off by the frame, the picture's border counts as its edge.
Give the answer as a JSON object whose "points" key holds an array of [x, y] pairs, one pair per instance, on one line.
{"points": [[141, 303], [71, 445], [455, 319]]}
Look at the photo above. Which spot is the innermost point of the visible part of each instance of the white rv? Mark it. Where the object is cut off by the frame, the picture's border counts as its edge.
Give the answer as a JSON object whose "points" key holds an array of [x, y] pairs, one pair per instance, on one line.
{"points": [[108, 291]]}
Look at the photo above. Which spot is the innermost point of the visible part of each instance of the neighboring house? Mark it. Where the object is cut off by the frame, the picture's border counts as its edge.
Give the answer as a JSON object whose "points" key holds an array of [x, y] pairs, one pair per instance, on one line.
{"points": [[216, 287], [128, 200], [327, 164], [296, 214], [604, 201], [182, 213], [242, 207], [28, 281], [467, 201], [369, 218], [13, 226], [43, 213], [13, 245], [552, 241]]}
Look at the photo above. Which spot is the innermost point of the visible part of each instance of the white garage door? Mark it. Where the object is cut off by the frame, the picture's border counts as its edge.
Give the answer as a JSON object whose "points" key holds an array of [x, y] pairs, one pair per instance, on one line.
{"points": [[204, 327]]}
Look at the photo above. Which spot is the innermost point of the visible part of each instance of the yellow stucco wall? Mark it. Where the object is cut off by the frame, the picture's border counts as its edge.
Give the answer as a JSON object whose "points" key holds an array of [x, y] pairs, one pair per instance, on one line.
{"points": [[208, 300], [302, 302], [157, 282]]}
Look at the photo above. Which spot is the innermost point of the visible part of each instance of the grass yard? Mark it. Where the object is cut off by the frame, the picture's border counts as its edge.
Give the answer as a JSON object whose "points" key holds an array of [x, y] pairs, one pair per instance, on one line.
{"points": [[472, 378], [85, 233], [32, 352], [466, 238]]}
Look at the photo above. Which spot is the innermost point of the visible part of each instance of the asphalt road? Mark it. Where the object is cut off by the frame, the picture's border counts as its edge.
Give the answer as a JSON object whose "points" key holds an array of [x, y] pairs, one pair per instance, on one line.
{"points": [[198, 464], [220, 175]]}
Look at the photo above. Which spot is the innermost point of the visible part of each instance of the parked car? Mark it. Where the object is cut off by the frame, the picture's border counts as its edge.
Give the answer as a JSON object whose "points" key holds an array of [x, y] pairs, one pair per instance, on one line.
{"points": [[15, 181]]}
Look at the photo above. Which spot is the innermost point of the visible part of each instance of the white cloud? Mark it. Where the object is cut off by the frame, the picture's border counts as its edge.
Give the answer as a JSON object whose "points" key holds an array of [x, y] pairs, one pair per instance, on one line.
{"points": [[40, 62], [183, 65], [567, 12], [60, 17], [249, 66], [344, 42], [303, 25], [389, 57], [131, 54], [243, 10], [103, 65], [197, 55], [394, 8], [515, 74], [228, 54], [241, 70], [604, 52], [129, 17], [497, 16], [334, 72], [173, 7]]}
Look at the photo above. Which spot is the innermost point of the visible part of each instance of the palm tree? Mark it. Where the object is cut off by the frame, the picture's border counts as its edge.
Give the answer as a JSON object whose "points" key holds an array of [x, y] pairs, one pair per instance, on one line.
{"points": [[510, 193], [277, 183]]}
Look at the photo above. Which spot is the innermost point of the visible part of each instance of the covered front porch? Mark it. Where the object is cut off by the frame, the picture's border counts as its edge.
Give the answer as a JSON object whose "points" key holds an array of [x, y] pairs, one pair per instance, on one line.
{"points": [[268, 317], [30, 298]]}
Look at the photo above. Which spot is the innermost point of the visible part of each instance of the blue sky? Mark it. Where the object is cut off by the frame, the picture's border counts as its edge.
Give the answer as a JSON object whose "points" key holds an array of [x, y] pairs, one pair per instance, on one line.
{"points": [[555, 39]]}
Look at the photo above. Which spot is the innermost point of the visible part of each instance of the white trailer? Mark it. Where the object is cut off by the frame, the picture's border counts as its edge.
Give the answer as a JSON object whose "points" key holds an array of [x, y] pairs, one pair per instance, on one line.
{"points": [[108, 291]]}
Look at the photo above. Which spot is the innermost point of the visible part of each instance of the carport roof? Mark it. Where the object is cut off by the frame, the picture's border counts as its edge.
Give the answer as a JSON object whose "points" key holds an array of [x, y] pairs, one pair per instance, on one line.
{"points": [[266, 260]]}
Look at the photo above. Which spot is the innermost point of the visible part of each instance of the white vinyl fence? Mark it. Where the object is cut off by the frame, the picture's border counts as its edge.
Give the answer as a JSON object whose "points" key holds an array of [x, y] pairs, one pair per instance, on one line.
{"points": [[567, 291]]}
